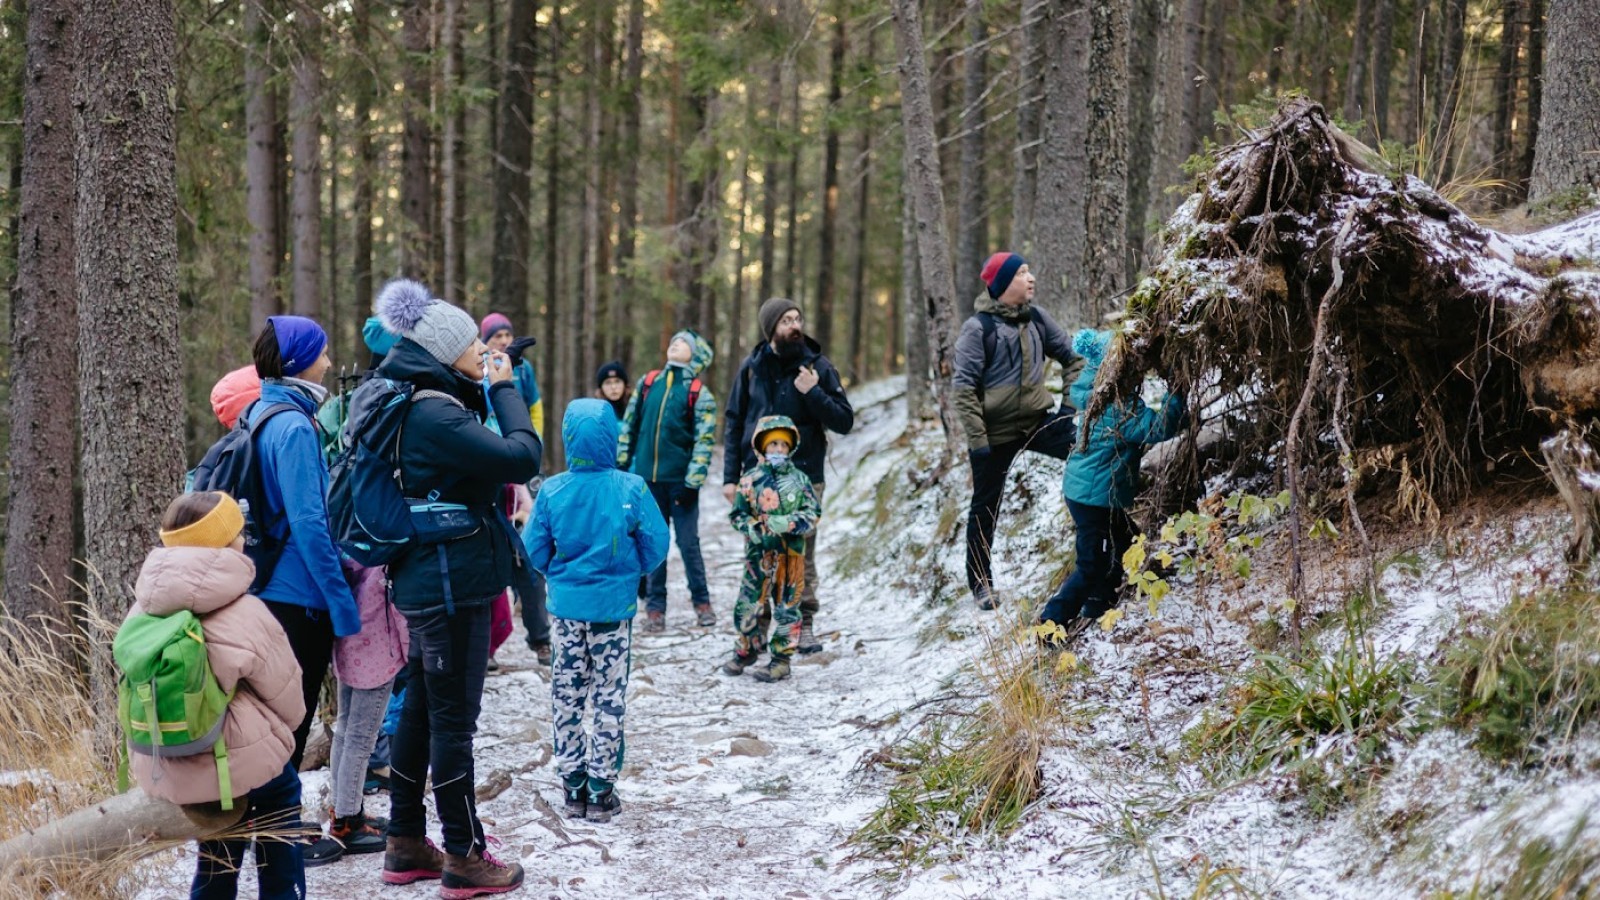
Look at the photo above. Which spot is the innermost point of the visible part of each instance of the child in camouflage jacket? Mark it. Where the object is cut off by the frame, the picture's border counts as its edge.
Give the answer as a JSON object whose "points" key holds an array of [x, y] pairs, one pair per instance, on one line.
{"points": [[774, 508]]}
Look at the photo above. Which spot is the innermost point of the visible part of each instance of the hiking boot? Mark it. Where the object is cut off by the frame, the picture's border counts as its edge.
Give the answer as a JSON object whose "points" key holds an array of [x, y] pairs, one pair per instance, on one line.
{"points": [[986, 600], [655, 622], [408, 859], [776, 669], [575, 795], [494, 665], [477, 874], [541, 653], [603, 803], [323, 850], [737, 663], [377, 780], [347, 834], [703, 616], [808, 642]]}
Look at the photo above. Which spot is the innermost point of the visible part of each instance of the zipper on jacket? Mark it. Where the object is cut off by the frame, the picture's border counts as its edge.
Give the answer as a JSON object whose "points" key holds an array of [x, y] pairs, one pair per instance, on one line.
{"points": [[661, 410]]}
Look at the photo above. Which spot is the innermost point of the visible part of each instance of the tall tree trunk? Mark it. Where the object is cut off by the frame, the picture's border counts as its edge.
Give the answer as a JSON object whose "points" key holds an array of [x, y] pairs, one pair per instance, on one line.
{"points": [[1216, 94], [1143, 89], [791, 262], [925, 185], [628, 180], [44, 308], [1167, 109], [1030, 94], [596, 225], [280, 190], [416, 180], [735, 336], [1105, 262], [1063, 164], [1355, 82], [513, 166], [1277, 43], [919, 370], [366, 157], [858, 282], [1505, 87], [1524, 170], [127, 268], [1565, 156], [1417, 86], [1448, 87], [555, 405], [822, 315], [1382, 62], [305, 124], [1196, 118], [769, 182], [261, 201], [972, 223], [452, 216]]}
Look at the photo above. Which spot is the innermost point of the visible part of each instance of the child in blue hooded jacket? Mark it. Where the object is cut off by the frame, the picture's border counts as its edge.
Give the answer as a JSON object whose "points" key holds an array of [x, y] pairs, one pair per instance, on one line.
{"points": [[1099, 485], [593, 532]]}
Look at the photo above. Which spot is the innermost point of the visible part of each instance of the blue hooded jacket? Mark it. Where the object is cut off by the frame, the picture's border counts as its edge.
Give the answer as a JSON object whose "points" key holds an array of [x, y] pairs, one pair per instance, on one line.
{"points": [[1103, 469], [594, 529], [296, 489]]}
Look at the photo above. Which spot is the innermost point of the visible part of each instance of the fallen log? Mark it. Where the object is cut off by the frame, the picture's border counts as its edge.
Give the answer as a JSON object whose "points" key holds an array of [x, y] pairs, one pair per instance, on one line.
{"points": [[130, 824]]}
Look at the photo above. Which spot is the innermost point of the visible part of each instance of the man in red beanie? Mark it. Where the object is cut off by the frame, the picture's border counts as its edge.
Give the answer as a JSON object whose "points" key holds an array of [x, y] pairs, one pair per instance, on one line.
{"points": [[1005, 408]]}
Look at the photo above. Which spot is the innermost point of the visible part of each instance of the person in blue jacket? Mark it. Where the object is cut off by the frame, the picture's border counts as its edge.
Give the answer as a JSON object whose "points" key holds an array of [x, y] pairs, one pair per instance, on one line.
{"points": [[1101, 480], [594, 531], [307, 593]]}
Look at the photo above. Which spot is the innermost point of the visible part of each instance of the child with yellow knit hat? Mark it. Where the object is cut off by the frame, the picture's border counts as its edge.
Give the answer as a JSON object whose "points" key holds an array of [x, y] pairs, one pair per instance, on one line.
{"points": [[774, 507]]}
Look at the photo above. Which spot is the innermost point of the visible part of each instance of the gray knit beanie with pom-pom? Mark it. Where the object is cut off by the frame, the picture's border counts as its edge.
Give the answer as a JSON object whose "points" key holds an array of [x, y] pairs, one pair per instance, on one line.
{"points": [[409, 310]]}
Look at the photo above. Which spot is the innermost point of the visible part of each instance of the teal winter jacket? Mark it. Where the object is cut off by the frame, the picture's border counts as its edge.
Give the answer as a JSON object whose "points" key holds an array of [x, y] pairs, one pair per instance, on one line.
{"points": [[594, 529], [1103, 469], [663, 439]]}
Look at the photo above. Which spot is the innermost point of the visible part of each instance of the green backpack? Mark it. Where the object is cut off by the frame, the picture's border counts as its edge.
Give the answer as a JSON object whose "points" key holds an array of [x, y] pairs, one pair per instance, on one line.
{"points": [[168, 701]]}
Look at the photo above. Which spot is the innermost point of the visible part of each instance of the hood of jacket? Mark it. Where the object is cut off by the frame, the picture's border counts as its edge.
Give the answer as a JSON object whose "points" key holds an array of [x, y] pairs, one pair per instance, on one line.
{"points": [[987, 304], [589, 431], [199, 579], [378, 339], [701, 355], [234, 393]]}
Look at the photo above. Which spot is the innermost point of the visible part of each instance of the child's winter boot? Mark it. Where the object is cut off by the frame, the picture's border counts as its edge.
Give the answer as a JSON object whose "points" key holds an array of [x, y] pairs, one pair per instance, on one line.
{"points": [[603, 800], [737, 663], [776, 669], [408, 859], [575, 793], [477, 874], [807, 642]]}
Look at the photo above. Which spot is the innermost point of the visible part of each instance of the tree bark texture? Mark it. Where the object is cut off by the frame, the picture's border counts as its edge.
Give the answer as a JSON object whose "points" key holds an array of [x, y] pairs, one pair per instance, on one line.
{"points": [[1196, 118], [1567, 155], [1448, 87], [769, 183], [828, 238], [305, 124], [1142, 94], [261, 200], [972, 221], [416, 154], [628, 178], [44, 308], [791, 263], [129, 389], [452, 190], [926, 188], [858, 281], [1530, 140], [919, 386], [366, 159], [1355, 81], [1059, 214], [1105, 262], [555, 407], [1382, 62], [1505, 88], [1030, 100]]}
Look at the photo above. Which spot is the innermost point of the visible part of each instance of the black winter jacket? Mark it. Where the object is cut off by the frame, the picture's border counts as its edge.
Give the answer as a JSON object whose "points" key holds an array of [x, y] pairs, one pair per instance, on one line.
{"points": [[765, 387], [445, 448]]}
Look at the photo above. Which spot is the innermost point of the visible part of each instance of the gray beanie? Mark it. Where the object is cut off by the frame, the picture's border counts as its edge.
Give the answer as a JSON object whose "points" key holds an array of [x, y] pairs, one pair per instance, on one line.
{"points": [[408, 309], [771, 311]]}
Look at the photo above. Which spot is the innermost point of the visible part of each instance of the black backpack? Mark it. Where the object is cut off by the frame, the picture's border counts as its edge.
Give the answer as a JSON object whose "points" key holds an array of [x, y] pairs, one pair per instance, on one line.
{"points": [[367, 510], [230, 465]]}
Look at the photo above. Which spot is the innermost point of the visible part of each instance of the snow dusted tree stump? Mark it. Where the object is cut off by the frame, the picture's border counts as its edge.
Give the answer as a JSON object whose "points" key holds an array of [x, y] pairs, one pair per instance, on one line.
{"points": [[1303, 259], [130, 824], [1575, 469]]}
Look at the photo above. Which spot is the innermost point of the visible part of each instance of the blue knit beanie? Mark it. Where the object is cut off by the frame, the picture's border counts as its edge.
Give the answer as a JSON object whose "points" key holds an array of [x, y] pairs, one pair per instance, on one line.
{"points": [[300, 342]]}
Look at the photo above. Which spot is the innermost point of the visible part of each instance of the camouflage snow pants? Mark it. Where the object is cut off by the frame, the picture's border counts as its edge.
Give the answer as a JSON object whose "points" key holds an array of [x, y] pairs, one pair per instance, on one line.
{"points": [[773, 580], [589, 681]]}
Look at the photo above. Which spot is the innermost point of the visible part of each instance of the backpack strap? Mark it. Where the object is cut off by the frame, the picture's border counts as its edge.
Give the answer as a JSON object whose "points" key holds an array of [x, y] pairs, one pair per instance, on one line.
{"points": [[649, 382], [694, 396]]}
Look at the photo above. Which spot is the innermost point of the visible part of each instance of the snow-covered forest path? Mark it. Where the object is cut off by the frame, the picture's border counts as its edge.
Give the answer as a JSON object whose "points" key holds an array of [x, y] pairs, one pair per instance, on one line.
{"points": [[731, 788]]}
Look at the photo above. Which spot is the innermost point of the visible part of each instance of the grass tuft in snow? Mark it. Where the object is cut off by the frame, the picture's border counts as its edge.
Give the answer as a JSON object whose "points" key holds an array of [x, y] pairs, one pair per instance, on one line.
{"points": [[971, 771], [1529, 678], [1328, 717], [1542, 869]]}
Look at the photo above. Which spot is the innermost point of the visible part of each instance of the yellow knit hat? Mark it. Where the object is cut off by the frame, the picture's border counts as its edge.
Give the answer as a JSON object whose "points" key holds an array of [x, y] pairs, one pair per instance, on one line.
{"points": [[215, 529]]}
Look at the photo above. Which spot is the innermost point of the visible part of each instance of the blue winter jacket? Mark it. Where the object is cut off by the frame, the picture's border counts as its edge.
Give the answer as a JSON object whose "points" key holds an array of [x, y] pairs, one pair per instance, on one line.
{"points": [[1103, 469], [594, 529], [295, 483]]}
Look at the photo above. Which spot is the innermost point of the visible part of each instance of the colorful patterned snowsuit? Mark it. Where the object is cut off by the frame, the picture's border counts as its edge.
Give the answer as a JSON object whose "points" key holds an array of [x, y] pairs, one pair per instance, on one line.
{"points": [[774, 508]]}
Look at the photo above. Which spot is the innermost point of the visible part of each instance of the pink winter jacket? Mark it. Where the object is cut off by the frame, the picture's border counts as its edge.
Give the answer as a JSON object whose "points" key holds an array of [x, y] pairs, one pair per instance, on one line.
{"points": [[248, 652], [370, 658]]}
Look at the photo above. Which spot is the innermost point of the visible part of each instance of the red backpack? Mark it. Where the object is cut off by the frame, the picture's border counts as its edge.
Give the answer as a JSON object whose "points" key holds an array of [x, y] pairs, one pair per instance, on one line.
{"points": [[650, 379]]}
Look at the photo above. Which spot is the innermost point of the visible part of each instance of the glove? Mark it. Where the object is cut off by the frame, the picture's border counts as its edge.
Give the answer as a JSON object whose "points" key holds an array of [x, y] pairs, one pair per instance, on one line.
{"points": [[685, 496], [779, 524]]}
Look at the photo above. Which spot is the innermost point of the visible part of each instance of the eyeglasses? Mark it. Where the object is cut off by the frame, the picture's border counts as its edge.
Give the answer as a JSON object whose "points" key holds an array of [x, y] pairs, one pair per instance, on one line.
{"points": [[792, 318]]}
